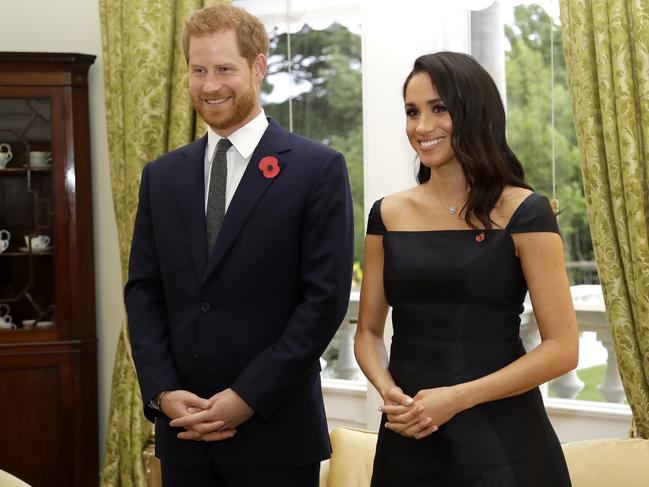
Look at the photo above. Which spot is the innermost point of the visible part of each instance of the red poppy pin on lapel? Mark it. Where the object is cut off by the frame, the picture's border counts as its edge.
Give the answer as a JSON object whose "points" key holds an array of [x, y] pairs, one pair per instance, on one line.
{"points": [[269, 166], [480, 237]]}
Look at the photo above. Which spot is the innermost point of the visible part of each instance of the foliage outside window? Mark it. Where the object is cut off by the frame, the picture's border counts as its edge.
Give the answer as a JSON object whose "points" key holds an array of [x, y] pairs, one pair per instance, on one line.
{"points": [[530, 131]]}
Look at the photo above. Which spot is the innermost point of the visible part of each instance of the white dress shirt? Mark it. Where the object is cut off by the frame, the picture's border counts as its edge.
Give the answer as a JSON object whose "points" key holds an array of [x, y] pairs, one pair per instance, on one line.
{"points": [[244, 141]]}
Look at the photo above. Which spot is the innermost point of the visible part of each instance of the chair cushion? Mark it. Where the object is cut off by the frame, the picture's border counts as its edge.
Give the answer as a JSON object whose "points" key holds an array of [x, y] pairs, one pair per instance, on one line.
{"points": [[592, 463], [352, 457], [8, 480], [608, 463]]}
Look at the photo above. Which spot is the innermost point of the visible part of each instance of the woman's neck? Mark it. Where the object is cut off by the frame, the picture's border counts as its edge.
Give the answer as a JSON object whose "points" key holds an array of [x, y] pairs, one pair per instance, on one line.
{"points": [[447, 185]]}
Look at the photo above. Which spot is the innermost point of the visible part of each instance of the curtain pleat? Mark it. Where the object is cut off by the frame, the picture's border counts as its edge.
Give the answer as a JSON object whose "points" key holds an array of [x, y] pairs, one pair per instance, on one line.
{"points": [[606, 45]]}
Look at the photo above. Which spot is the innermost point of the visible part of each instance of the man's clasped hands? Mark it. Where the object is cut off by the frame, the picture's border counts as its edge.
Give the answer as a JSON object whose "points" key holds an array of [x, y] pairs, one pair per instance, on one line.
{"points": [[213, 419]]}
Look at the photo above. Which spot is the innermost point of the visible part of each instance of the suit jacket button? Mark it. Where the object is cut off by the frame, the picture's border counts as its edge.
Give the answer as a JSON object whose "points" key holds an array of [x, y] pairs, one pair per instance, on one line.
{"points": [[205, 307]]}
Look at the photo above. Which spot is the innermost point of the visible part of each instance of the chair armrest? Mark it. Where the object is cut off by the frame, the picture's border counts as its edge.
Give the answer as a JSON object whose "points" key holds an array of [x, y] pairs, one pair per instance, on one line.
{"points": [[607, 462]]}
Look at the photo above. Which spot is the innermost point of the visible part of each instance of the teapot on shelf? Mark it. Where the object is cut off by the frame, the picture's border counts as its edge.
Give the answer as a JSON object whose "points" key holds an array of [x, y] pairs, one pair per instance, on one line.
{"points": [[5, 239], [5, 318], [5, 156]]}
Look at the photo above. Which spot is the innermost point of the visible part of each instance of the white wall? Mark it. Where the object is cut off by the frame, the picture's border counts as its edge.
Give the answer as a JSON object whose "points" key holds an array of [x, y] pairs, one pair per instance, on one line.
{"points": [[392, 39], [73, 26]]}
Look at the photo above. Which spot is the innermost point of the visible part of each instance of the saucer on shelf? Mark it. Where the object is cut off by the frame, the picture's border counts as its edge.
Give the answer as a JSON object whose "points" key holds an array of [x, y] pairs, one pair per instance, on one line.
{"points": [[36, 251], [42, 325]]}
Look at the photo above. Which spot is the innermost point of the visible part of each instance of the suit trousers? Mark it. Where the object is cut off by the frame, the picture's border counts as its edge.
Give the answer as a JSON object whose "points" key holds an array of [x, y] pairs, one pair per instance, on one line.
{"points": [[208, 474]]}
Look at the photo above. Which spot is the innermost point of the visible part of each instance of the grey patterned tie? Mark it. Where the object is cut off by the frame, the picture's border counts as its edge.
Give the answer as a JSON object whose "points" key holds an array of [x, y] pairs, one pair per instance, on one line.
{"points": [[216, 195]]}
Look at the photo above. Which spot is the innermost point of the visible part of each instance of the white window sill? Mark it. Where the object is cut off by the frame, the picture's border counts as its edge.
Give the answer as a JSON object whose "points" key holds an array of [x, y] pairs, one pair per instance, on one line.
{"points": [[344, 387], [588, 408]]}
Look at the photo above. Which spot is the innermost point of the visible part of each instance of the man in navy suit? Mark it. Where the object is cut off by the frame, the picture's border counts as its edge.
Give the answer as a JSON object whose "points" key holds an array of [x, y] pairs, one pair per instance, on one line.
{"points": [[227, 328]]}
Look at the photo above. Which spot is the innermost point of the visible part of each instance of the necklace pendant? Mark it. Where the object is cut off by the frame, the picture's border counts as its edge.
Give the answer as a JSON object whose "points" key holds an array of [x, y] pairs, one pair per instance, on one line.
{"points": [[452, 210]]}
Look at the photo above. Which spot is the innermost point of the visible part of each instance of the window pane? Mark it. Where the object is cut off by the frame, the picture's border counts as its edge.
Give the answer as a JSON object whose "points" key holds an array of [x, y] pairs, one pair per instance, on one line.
{"points": [[538, 98]]}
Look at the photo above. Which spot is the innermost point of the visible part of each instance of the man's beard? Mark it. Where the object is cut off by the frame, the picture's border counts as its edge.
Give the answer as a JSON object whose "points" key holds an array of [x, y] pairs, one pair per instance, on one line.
{"points": [[242, 106]]}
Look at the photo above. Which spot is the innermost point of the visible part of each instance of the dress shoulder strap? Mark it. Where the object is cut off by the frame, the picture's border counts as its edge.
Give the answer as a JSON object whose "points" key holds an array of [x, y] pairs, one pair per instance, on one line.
{"points": [[534, 214], [375, 224]]}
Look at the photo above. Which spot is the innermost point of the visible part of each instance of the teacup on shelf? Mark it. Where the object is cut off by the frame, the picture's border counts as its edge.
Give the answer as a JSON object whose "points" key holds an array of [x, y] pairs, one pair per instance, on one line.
{"points": [[40, 158], [28, 324], [38, 242], [5, 155]]}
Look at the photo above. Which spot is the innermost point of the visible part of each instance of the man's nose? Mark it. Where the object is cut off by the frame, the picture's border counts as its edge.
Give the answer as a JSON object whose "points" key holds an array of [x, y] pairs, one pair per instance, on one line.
{"points": [[212, 83]]}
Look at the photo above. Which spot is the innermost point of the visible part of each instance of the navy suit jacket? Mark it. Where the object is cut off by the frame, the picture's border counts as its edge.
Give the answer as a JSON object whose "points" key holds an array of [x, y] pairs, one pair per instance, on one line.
{"points": [[254, 315]]}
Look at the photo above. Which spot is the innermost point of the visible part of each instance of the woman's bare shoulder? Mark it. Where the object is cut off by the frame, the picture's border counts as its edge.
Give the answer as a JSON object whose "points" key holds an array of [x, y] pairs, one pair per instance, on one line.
{"points": [[510, 199], [395, 204]]}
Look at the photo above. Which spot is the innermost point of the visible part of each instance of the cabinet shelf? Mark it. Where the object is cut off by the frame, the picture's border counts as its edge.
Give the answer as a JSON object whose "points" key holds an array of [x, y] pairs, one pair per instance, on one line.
{"points": [[8, 253], [26, 169]]}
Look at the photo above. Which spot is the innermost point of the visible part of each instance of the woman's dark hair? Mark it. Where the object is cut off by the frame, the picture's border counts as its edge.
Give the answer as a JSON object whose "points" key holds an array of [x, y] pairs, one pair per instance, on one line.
{"points": [[479, 139]]}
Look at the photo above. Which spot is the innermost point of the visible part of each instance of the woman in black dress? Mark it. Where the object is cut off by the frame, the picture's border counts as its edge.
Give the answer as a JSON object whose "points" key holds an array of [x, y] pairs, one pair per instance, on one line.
{"points": [[454, 257]]}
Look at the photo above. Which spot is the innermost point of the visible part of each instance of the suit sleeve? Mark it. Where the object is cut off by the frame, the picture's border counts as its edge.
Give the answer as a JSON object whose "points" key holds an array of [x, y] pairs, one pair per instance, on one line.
{"points": [[326, 266], [146, 308]]}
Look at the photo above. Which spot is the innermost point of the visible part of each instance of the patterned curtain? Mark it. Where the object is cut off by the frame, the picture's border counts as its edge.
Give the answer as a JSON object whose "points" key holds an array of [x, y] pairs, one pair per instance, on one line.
{"points": [[606, 46], [148, 113]]}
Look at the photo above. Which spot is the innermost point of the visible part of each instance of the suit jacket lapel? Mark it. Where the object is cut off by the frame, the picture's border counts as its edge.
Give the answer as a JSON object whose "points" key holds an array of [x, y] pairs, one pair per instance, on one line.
{"points": [[251, 188], [189, 184]]}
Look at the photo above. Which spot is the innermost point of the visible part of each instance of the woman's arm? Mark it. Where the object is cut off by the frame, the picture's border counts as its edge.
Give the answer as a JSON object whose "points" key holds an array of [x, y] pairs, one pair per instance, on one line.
{"points": [[369, 346], [542, 261]]}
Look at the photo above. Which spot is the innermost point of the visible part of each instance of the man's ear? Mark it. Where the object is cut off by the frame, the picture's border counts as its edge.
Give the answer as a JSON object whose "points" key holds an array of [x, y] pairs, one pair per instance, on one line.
{"points": [[259, 66]]}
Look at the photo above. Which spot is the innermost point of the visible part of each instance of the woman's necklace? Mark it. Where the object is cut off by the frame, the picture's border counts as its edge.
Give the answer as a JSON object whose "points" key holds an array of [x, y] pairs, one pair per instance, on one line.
{"points": [[452, 209]]}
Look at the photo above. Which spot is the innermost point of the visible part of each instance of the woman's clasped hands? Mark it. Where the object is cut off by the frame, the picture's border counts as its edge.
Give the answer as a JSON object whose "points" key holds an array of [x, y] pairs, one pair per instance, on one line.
{"points": [[422, 415]]}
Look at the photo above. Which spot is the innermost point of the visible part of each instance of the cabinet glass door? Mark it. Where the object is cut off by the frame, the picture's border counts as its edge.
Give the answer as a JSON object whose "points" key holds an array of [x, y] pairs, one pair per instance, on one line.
{"points": [[27, 239]]}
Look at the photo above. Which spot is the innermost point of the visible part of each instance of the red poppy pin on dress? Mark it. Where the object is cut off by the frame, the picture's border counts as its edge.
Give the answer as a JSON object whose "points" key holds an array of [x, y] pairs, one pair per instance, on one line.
{"points": [[479, 237], [269, 166]]}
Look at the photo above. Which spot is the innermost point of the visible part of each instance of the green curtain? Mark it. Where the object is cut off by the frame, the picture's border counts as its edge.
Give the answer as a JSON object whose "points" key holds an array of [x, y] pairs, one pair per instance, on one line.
{"points": [[606, 45], [148, 113]]}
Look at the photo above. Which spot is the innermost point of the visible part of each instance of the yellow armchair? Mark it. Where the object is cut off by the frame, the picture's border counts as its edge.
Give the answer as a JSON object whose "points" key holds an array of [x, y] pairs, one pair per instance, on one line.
{"points": [[609, 462], [351, 460], [8, 480], [592, 463]]}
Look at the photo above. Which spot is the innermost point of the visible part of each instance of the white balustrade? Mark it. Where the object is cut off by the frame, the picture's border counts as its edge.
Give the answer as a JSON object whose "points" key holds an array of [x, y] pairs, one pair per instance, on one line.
{"points": [[567, 386], [591, 316], [346, 367]]}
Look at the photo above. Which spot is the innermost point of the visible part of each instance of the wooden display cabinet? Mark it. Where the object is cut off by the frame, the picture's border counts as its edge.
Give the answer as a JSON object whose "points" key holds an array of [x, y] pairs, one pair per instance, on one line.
{"points": [[48, 346]]}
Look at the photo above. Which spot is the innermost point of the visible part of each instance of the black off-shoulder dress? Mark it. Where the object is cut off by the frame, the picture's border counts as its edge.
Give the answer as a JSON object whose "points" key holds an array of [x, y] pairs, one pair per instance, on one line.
{"points": [[456, 297]]}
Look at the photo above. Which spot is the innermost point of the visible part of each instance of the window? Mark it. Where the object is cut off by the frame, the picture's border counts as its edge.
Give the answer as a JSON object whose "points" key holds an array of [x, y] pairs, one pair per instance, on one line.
{"points": [[314, 88], [532, 78], [511, 39]]}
